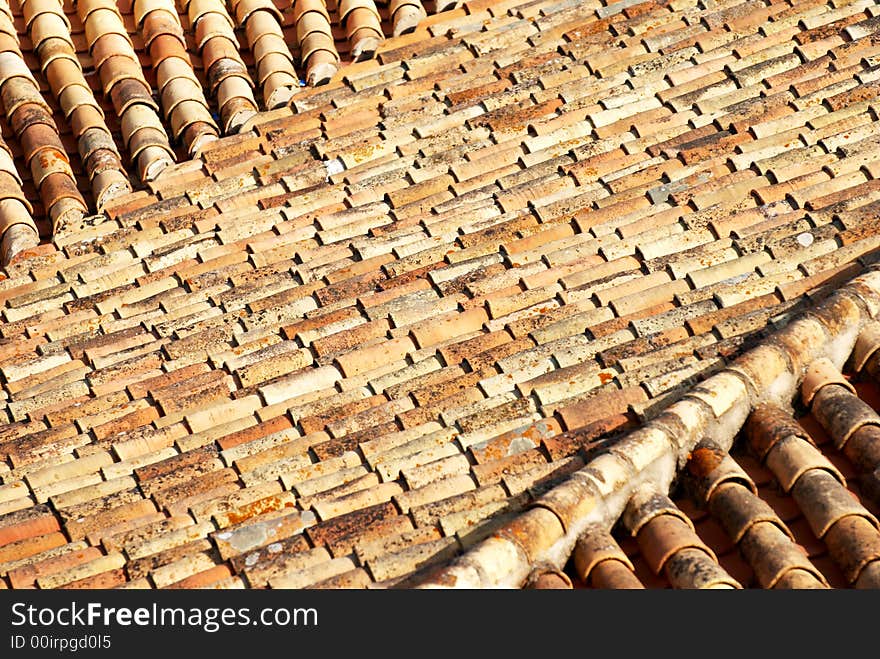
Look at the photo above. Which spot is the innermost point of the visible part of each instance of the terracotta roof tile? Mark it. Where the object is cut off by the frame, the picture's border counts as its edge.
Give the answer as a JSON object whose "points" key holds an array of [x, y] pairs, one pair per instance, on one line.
{"points": [[468, 274]]}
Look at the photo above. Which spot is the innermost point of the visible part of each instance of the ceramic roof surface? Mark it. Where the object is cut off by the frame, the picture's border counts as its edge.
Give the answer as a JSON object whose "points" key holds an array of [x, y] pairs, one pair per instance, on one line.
{"points": [[540, 293]]}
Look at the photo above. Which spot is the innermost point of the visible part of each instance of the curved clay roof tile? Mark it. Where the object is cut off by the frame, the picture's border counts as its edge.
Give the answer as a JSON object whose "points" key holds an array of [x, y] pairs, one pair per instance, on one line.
{"points": [[364, 31], [738, 509], [86, 7], [261, 25], [199, 9], [709, 467], [61, 73], [321, 65], [109, 184], [213, 25], [842, 413], [220, 58], [198, 136], [143, 8], [820, 373], [769, 424], [48, 26], [13, 66], [692, 568], [271, 63], [867, 345], [14, 212], [548, 578], [180, 89], [161, 22], [224, 69], [270, 44], [347, 6], [174, 68], [301, 7], [616, 575], [187, 113], [853, 543], [664, 536], [68, 208], [646, 504], [278, 89], [48, 161], [100, 160], [103, 21], [19, 91], [236, 112], [152, 160], [772, 556], [145, 137], [28, 114], [10, 188], [95, 138], [165, 47], [128, 91], [136, 118], [7, 164], [38, 136], [118, 67], [312, 22], [824, 501], [232, 88], [58, 186], [106, 46], [7, 24], [75, 96], [245, 10], [56, 48], [33, 8], [405, 15], [8, 43], [315, 42], [593, 547], [278, 79], [863, 450], [793, 457]]}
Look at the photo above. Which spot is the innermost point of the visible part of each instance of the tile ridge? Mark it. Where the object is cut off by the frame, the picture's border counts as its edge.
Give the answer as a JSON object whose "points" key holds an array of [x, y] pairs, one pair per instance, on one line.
{"points": [[595, 496]]}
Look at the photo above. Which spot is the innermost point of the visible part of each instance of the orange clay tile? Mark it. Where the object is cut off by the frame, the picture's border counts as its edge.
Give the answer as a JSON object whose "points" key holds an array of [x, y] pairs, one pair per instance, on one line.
{"points": [[472, 287]]}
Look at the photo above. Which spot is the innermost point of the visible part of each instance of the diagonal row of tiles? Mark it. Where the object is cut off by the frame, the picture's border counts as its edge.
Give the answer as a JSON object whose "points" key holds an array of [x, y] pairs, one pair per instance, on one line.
{"points": [[358, 336], [119, 91], [776, 513]]}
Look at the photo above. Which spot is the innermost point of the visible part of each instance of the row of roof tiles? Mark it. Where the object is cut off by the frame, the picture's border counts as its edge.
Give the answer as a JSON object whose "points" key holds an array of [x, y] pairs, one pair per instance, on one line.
{"points": [[173, 77], [361, 335]]}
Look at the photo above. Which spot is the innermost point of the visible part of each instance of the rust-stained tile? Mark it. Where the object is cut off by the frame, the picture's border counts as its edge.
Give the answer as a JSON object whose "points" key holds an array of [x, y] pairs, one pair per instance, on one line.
{"points": [[276, 424], [28, 547], [604, 404], [26, 524]]}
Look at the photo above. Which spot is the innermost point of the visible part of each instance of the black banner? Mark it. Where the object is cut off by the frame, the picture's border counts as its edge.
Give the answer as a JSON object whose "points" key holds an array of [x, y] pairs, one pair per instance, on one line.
{"points": [[263, 623]]}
